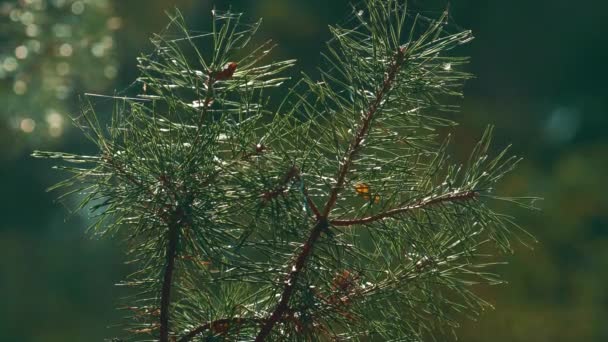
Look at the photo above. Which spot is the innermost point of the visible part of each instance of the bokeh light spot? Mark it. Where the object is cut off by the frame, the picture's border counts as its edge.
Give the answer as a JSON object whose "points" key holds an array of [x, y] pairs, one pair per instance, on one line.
{"points": [[27, 18], [66, 50], [78, 7], [9, 64], [55, 122], [63, 68], [107, 42], [110, 71], [562, 124], [27, 125], [114, 23], [33, 45], [15, 14], [58, 3], [62, 92], [62, 30], [5, 8], [21, 52], [32, 30], [98, 50], [20, 87]]}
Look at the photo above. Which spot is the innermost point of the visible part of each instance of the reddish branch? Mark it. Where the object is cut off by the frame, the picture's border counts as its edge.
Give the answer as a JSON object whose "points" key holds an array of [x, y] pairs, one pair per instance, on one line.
{"points": [[220, 326], [212, 78], [173, 221], [452, 197], [312, 205], [291, 280], [322, 223], [209, 84], [165, 298], [355, 145], [178, 219]]}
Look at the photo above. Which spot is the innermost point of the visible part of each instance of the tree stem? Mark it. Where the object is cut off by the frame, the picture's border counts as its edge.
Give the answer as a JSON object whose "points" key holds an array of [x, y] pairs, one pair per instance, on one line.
{"points": [[290, 283], [165, 299]]}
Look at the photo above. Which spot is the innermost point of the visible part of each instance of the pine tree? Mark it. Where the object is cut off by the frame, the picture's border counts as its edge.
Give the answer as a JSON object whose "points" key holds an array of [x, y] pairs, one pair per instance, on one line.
{"points": [[333, 215]]}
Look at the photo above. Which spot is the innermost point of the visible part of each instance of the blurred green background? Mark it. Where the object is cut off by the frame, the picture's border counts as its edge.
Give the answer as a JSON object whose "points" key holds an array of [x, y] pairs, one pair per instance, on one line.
{"points": [[541, 69]]}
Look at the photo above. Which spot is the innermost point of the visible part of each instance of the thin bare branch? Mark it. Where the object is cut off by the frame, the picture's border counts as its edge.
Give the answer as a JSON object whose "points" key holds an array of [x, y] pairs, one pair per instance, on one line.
{"points": [[451, 197], [220, 326]]}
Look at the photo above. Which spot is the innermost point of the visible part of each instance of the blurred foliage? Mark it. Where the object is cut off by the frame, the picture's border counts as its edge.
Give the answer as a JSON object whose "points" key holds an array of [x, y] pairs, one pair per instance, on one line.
{"points": [[52, 50], [540, 69]]}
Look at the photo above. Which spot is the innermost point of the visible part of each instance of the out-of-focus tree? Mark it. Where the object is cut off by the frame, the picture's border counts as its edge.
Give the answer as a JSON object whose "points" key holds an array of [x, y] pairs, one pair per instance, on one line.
{"points": [[52, 51]]}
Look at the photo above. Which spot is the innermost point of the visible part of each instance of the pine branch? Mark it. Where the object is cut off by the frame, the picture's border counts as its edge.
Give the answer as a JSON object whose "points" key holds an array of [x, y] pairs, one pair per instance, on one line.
{"points": [[363, 130], [451, 197], [322, 221]]}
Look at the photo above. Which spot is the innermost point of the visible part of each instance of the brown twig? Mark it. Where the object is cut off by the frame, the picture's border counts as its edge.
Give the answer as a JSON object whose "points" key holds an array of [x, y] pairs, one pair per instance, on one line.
{"points": [[212, 78], [220, 325], [355, 145], [173, 221], [165, 298], [452, 197], [206, 104], [174, 227], [291, 280], [312, 205]]}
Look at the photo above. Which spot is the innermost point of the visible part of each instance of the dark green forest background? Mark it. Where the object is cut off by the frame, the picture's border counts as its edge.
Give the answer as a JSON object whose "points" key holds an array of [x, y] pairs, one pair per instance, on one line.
{"points": [[541, 72]]}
